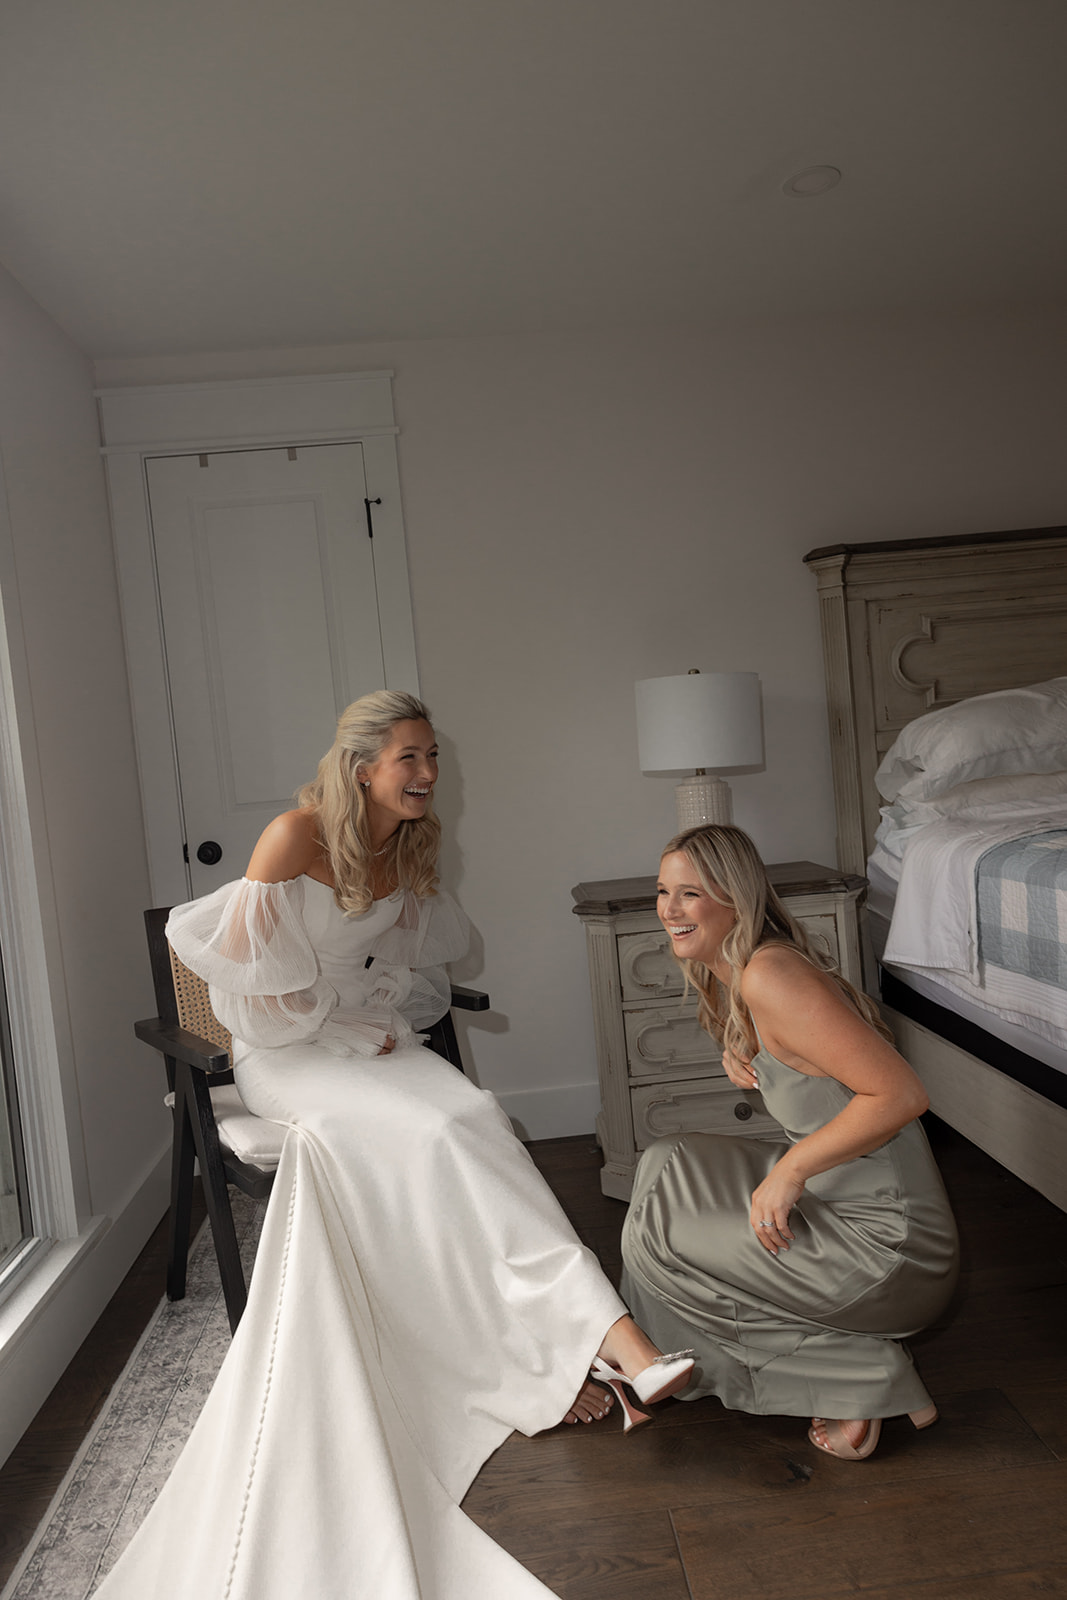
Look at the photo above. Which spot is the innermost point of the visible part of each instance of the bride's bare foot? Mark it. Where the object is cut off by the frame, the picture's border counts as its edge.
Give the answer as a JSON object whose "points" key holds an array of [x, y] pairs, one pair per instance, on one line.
{"points": [[591, 1405]]}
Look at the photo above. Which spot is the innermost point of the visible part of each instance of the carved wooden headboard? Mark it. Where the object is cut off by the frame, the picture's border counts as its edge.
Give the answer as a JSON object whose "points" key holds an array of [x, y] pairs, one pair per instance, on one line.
{"points": [[913, 624]]}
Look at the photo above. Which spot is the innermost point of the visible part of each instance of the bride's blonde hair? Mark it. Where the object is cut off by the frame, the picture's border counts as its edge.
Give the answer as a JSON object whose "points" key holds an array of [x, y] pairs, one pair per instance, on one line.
{"points": [[336, 797], [728, 867]]}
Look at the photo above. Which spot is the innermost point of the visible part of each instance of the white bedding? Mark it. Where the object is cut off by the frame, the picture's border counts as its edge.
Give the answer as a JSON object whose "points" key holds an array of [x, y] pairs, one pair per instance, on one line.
{"points": [[1043, 1040], [934, 927], [935, 917]]}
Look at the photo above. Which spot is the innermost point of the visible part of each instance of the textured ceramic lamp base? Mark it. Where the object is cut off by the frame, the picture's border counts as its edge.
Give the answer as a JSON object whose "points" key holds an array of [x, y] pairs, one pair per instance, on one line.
{"points": [[700, 800]]}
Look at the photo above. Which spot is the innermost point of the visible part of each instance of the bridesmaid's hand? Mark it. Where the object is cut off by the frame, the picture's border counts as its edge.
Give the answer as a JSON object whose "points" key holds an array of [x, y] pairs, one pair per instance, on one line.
{"points": [[739, 1072], [771, 1205]]}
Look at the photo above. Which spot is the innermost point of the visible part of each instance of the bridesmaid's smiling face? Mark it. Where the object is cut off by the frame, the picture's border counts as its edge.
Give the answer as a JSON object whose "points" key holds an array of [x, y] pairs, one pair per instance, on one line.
{"points": [[696, 923]]}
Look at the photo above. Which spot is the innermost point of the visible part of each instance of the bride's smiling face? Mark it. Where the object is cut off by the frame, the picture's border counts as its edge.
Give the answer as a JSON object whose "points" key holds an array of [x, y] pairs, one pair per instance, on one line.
{"points": [[696, 923], [399, 786]]}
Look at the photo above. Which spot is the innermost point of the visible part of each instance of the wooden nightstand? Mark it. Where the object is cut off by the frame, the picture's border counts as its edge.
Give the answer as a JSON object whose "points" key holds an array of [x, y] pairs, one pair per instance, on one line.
{"points": [[659, 1072]]}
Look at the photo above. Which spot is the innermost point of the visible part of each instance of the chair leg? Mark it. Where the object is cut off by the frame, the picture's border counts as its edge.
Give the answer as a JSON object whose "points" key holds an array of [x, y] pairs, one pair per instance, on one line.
{"points": [[183, 1155], [217, 1198], [443, 1042]]}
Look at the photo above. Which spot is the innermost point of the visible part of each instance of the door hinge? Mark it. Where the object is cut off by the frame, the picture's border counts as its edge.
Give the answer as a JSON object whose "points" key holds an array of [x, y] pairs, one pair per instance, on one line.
{"points": [[370, 521]]}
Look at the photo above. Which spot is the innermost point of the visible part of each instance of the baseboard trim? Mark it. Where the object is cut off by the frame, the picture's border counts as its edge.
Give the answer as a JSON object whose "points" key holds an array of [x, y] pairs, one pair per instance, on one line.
{"points": [[554, 1113]]}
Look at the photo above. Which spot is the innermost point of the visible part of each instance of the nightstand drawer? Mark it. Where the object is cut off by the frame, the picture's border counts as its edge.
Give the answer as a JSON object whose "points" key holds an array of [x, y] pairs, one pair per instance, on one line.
{"points": [[667, 1041], [647, 969], [710, 1105]]}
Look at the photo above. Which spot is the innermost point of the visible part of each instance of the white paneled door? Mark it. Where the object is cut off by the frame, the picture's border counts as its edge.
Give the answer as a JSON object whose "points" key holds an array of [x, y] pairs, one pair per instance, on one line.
{"points": [[270, 623]]}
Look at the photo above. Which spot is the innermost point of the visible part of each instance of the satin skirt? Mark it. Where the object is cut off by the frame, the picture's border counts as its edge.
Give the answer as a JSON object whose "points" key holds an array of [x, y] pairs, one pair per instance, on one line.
{"points": [[814, 1331], [417, 1295]]}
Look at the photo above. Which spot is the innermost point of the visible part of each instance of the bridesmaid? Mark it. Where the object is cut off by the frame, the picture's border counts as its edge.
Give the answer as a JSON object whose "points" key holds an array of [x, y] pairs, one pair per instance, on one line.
{"points": [[793, 1266]]}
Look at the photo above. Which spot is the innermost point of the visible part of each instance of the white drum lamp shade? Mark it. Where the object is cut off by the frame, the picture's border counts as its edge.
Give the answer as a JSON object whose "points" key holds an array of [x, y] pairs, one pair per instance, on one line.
{"points": [[703, 721]]}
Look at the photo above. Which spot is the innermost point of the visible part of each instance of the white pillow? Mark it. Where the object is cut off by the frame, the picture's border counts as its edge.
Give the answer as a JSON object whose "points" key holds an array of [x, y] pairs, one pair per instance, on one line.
{"points": [[973, 800], [992, 735]]}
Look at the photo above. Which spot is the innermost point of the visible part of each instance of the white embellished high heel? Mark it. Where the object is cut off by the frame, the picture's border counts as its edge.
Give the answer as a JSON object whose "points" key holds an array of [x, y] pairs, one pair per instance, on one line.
{"points": [[658, 1381]]}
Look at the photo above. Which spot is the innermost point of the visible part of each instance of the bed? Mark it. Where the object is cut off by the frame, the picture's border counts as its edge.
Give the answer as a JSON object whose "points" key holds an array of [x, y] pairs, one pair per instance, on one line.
{"points": [[918, 629]]}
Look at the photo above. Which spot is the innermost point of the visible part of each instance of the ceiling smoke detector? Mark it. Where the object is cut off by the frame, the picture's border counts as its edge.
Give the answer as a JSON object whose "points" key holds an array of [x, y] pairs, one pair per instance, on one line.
{"points": [[812, 181]]}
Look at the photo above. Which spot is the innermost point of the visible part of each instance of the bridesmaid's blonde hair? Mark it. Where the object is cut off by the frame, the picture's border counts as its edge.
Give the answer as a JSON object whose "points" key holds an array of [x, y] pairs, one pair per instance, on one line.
{"points": [[730, 870], [336, 798]]}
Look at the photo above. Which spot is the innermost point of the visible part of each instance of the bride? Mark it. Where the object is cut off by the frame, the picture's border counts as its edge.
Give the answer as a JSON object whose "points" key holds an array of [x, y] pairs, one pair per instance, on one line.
{"points": [[418, 1293]]}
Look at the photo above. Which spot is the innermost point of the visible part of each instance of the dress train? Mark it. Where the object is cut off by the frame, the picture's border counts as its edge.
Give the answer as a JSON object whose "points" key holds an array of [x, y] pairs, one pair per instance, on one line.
{"points": [[417, 1294]]}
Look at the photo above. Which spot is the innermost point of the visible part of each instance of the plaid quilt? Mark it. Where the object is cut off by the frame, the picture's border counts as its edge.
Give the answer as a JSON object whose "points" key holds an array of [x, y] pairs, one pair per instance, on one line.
{"points": [[1022, 906]]}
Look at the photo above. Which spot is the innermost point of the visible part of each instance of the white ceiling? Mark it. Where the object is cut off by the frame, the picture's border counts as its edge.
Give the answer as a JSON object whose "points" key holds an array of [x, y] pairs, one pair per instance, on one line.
{"points": [[184, 175]]}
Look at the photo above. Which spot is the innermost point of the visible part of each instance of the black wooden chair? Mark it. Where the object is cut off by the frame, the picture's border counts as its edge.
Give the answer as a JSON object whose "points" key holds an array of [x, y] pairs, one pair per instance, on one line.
{"points": [[211, 1125]]}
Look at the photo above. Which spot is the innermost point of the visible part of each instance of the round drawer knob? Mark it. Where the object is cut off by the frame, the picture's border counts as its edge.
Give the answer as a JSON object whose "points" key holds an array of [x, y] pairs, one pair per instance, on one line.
{"points": [[742, 1111]]}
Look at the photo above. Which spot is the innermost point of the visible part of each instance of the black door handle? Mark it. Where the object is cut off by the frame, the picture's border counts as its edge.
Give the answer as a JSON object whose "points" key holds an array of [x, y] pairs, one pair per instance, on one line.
{"points": [[209, 853]]}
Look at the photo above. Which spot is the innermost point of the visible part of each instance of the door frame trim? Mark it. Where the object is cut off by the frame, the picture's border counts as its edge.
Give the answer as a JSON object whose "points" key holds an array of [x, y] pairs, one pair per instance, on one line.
{"points": [[244, 414]]}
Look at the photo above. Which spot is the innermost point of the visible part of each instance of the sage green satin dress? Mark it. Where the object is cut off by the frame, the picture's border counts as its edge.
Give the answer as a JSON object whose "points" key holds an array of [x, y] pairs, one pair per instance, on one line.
{"points": [[815, 1330]]}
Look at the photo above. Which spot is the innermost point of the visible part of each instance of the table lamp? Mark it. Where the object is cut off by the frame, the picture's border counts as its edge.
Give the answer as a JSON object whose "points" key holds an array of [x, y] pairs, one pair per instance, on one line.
{"points": [[709, 721]]}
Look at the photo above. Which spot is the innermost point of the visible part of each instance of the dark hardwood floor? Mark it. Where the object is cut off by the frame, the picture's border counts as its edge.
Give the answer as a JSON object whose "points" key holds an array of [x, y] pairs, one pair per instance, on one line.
{"points": [[704, 1504]]}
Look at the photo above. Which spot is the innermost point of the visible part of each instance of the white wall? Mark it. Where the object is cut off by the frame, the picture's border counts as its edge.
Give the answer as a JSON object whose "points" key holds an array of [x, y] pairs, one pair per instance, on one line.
{"points": [[583, 512], [61, 604]]}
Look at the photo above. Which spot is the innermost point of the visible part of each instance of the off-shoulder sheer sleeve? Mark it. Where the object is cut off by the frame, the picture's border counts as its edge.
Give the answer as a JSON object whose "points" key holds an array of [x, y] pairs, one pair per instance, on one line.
{"points": [[248, 941], [427, 933], [428, 999]]}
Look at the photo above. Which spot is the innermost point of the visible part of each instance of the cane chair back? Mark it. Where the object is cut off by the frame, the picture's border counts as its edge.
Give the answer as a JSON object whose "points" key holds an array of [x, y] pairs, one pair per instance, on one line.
{"points": [[194, 1005]]}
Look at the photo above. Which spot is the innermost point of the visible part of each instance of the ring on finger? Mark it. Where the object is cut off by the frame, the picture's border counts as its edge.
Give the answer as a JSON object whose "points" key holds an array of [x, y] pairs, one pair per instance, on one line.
{"points": [[766, 1224]]}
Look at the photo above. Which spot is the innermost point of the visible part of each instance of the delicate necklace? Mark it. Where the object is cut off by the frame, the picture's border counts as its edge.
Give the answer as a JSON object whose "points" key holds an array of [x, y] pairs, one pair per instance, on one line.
{"points": [[376, 853]]}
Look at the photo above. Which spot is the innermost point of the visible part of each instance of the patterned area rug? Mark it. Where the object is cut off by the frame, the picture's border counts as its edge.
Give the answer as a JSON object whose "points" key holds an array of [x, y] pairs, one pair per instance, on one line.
{"points": [[135, 1440]]}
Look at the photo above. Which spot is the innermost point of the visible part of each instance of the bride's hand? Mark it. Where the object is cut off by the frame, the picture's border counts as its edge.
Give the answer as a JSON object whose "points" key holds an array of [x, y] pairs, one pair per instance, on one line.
{"points": [[739, 1072], [390, 1044]]}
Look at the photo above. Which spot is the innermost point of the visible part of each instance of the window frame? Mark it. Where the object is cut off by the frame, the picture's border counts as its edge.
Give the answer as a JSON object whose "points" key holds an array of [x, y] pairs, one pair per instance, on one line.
{"points": [[42, 1057]]}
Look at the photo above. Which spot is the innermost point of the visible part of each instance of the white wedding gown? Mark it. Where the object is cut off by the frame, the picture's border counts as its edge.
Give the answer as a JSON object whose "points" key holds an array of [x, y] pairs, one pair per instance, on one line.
{"points": [[417, 1294]]}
